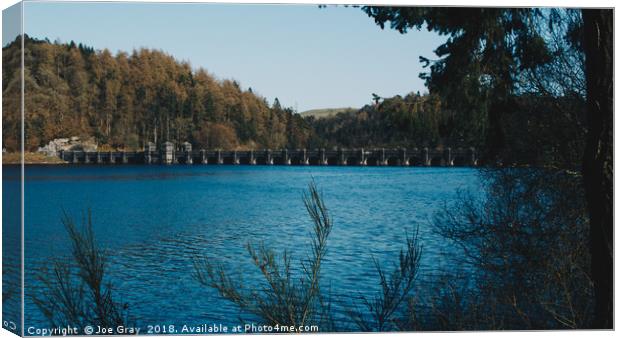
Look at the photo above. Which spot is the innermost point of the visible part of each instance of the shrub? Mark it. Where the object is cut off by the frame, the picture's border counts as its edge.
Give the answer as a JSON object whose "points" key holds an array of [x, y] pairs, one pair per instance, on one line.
{"points": [[75, 293], [526, 245], [384, 311], [286, 300]]}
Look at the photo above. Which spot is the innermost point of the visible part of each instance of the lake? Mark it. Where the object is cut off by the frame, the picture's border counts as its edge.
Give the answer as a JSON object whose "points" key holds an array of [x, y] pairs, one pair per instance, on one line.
{"points": [[153, 220]]}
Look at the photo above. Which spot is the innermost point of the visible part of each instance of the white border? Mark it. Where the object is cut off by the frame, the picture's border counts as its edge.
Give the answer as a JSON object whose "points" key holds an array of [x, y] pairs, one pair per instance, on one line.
{"points": [[475, 3]]}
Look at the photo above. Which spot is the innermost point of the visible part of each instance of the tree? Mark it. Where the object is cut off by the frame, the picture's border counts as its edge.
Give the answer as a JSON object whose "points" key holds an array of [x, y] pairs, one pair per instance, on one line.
{"points": [[598, 157], [480, 60], [124, 101], [376, 98], [486, 50]]}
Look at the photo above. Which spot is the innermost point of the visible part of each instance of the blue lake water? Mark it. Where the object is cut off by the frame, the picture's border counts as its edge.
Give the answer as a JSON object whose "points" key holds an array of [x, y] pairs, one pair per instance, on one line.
{"points": [[153, 220]]}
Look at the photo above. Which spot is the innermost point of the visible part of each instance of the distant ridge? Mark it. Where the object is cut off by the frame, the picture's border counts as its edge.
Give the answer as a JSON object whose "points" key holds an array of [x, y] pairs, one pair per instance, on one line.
{"points": [[327, 112]]}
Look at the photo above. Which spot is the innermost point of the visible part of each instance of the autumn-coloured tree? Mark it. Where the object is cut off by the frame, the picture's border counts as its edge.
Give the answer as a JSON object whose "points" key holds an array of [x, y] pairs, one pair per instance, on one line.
{"points": [[126, 100]]}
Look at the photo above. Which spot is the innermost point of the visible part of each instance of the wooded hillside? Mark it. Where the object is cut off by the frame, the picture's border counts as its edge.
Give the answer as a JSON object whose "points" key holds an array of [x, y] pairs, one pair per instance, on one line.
{"points": [[126, 100]]}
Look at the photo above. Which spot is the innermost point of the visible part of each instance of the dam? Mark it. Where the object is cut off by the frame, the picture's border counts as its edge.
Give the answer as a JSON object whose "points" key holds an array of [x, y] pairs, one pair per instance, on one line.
{"points": [[168, 153]]}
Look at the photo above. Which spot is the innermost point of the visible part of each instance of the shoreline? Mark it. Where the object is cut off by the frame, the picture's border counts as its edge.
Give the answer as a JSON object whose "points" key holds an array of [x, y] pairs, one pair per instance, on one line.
{"points": [[31, 158]]}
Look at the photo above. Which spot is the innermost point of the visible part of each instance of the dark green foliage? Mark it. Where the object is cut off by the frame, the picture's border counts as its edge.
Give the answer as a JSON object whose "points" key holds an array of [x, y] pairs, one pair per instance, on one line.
{"points": [[75, 292], [545, 132], [126, 100], [540, 130], [527, 242], [542, 80], [488, 52], [411, 121], [286, 299]]}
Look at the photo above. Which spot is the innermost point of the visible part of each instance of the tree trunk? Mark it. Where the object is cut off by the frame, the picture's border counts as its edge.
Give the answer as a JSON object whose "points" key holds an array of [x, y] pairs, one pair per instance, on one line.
{"points": [[598, 157]]}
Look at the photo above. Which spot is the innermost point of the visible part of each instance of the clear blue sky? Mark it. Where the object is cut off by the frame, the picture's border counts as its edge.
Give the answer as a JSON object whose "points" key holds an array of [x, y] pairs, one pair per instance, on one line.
{"points": [[307, 57], [11, 23]]}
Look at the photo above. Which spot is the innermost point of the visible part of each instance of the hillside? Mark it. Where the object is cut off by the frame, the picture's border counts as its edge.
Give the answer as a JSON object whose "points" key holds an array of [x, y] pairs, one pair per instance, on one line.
{"points": [[125, 100], [327, 112]]}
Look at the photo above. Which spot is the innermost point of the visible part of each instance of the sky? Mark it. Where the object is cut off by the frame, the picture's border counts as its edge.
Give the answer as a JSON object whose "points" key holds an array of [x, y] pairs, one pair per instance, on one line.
{"points": [[11, 23], [307, 57]]}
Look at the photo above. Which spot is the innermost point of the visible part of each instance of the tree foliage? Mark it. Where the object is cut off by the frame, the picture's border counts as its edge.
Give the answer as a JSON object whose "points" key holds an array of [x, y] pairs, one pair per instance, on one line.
{"points": [[126, 100], [486, 54], [526, 244], [493, 58], [411, 121]]}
